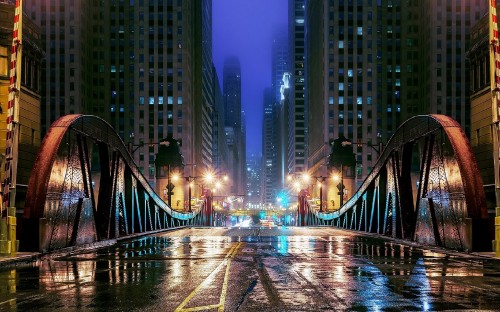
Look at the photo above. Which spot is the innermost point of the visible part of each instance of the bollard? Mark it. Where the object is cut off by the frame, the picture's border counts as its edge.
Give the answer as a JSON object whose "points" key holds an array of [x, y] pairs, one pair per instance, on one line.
{"points": [[12, 228], [496, 242], [5, 244]]}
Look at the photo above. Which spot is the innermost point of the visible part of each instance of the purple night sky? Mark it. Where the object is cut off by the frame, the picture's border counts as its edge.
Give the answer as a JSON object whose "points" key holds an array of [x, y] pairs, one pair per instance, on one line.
{"points": [[244, 28]]}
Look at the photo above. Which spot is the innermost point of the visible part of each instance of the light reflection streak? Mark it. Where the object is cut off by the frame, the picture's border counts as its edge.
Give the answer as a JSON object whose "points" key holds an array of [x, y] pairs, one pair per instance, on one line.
{"points": [[282, 244], [419, 283]]}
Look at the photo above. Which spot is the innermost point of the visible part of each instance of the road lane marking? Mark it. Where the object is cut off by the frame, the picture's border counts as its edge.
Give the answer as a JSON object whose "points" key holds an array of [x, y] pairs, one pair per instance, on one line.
{"points": [[208, 307], [222, 300], [227, 260]]}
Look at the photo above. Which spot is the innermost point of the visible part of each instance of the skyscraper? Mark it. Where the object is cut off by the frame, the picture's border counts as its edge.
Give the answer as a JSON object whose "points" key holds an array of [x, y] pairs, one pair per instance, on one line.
{"points": [[233, 123], [280, 62], [67, 75], [297, 144], [271, 157], [443, 42], [269, 153], [232, 92], [203, 83], [253, 180], [219, 146], [371, 66], [143, 66], [349, 91]]}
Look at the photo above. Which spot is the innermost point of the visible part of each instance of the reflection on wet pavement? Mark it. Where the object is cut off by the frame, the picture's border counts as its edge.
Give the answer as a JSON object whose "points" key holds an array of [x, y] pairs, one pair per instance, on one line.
{"points": [[249, 269]]}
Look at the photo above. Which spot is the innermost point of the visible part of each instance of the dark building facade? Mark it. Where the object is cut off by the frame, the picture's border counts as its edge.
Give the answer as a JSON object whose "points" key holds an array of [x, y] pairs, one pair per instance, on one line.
{"points": [[482, 112], [143, 66], [296, 150], [371, 66]]}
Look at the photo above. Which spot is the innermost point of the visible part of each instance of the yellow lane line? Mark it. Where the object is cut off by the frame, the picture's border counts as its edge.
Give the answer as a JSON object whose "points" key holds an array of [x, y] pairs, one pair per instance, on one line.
{"points": [[222, 300], [209, 277], [208, 307]]}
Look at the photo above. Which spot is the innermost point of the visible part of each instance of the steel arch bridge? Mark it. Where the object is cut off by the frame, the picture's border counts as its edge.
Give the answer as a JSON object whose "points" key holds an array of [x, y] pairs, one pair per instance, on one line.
{"points": [[86, 188], [425, 187]]}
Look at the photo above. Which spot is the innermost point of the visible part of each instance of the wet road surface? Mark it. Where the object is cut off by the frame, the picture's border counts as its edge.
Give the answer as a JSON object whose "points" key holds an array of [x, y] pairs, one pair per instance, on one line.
{"points": [[255, 269]]}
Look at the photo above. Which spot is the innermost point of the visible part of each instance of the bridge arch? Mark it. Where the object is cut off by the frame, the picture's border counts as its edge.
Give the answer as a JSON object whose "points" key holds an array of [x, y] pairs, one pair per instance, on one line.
{"points": [[85, 187], [425, 187]]}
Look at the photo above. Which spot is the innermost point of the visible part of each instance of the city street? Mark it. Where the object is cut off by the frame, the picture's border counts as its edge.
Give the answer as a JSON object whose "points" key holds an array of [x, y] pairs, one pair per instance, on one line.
{"points": [[255, 269]]}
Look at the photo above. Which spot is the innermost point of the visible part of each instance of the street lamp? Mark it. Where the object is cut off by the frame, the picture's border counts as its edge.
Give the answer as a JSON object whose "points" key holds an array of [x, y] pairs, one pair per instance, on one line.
{"points": [[170, 186], [340, 186], [320, 179], [341, 156], [208, 179], [190, 181], [306, 178]]}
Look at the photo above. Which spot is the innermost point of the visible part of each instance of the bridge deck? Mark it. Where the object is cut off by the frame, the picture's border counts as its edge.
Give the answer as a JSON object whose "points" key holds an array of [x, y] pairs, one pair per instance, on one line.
{"points": [[250, 269]]}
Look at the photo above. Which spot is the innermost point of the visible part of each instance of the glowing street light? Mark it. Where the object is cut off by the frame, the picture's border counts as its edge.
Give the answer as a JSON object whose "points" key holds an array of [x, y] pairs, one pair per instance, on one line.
{"points": [[209, 177], [171, 177]]}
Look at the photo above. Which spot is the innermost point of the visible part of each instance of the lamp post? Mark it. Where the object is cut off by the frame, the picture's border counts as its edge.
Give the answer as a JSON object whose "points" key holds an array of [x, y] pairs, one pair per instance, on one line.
{"points": [[208, 179], [188, 180], [341, 192], [340, 186], [321, 179], [341, 156], [170, 186], [169, 157]]}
